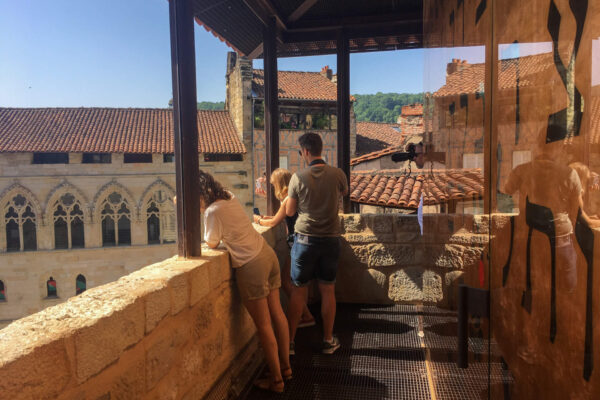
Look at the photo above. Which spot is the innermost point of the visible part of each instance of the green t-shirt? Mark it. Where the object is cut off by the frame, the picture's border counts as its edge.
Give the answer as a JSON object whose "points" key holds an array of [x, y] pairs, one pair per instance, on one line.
{"points": [[318, 189]]}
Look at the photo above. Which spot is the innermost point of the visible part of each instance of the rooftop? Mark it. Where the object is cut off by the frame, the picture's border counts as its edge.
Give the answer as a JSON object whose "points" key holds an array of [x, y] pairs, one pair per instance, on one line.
{"points": [[110, 130], [376, 136], [297, 85], [400, 189]]}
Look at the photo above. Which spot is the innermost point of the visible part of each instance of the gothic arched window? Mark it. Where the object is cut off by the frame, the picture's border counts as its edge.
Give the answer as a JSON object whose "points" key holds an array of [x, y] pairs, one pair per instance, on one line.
{"points": [[2, 292], [160, 219], [20, 222], [51, 288], [80, 284], [116, 221], [68, 223]]}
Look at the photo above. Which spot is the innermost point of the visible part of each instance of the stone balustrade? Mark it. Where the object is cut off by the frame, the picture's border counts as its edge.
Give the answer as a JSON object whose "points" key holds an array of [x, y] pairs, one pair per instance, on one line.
{"points": [[386, 259]]}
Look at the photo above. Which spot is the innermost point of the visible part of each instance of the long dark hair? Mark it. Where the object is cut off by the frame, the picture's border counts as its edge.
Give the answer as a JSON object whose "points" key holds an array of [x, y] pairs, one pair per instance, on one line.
{"points": [[210, 189]]}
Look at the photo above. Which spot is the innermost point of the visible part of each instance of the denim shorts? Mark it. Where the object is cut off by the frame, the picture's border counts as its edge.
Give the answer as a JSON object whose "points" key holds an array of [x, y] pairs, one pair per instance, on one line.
{"points": [[314, 257]]}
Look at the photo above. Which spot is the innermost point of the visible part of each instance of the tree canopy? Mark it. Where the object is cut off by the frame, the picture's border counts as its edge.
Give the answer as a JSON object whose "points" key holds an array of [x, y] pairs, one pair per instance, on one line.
{"points": [[206, 105], [383, 107]]}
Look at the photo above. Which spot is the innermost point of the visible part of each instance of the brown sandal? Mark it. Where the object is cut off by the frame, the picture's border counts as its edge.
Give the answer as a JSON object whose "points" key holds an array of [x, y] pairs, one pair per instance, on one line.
{"points": [[268, 384]]}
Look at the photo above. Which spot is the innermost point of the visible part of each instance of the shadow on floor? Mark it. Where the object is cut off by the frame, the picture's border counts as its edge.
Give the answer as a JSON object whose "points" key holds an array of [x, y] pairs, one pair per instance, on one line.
{"points": [[381, 358]]}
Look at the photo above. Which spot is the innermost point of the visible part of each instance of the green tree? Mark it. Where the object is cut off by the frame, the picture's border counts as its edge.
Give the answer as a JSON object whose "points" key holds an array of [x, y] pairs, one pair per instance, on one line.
{"points": [[383, 107]]}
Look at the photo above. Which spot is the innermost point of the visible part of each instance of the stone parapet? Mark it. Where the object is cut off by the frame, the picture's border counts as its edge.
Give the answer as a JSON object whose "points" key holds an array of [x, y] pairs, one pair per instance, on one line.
{"points": [[386, 259], [153, 333], [176, 329]]}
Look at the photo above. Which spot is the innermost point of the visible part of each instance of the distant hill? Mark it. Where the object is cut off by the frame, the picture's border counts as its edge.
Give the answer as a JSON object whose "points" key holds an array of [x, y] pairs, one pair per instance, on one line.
{"points": [[206, 105], [209, 105], [383, 107]]}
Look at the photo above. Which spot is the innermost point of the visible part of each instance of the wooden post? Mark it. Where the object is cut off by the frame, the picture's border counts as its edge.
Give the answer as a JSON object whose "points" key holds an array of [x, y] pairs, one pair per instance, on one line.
{"points": [[271, 110], [183, 65], [343, 109]]}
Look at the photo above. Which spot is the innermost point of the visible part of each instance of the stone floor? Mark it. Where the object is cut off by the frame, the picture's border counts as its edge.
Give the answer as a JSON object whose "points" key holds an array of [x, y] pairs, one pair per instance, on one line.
{"points": [[392, 352]]}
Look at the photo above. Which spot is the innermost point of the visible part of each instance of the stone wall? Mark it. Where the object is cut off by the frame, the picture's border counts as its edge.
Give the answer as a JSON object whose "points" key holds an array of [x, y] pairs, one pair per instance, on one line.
{"points": [[385, 259], [166, 331], [172, 330], [24, 274]]}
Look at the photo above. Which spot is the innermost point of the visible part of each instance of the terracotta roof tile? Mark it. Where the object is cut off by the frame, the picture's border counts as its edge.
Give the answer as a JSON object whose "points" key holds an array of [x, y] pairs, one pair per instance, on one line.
{"points": [[395, 188], [375, 136], [297, 85], [469, 78], [110, 130], [377, 154]]}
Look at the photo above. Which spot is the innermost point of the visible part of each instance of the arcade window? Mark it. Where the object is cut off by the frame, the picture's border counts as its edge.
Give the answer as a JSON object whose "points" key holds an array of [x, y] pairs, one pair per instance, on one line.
{"points": [[50, 158], [130, 158]]}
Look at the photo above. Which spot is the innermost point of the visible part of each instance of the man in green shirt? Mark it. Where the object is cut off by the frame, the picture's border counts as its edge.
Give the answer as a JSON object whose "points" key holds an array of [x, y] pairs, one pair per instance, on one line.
{"points": [[314, 193]]}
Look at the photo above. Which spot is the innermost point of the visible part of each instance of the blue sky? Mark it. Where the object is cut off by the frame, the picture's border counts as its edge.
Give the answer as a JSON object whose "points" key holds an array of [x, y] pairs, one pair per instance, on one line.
{"points": [[115, 53]]}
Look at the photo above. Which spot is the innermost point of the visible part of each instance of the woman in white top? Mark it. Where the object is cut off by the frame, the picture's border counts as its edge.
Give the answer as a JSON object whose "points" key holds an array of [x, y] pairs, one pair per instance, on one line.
{"points": [[256, 271]]}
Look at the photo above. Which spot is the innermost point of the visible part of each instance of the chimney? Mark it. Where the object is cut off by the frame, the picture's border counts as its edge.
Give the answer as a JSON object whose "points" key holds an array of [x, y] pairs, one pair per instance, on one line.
{"points": [[231, 61], [327, 72], [456, 65]]}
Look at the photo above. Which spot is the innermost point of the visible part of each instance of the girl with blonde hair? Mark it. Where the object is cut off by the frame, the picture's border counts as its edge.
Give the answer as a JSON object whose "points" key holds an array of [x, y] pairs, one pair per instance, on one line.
{"points": [[280, 179]]}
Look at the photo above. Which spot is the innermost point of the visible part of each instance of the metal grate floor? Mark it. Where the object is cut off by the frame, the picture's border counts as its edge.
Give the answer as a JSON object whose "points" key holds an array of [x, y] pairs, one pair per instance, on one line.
{"points": [[383, 357]]}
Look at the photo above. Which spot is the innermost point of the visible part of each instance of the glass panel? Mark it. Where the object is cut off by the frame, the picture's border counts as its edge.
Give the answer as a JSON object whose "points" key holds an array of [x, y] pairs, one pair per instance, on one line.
{"points": [[60, 234], [448, 187], [108, 232], [124, 227], [545, 237], [2, 292], [153, 230], [13, 241], [29, 236], [51, 290], [77, 233], [80, 284]]}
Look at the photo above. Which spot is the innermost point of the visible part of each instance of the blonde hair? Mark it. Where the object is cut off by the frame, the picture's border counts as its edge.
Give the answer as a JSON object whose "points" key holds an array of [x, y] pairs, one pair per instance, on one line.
{"points": [[280, 179]]}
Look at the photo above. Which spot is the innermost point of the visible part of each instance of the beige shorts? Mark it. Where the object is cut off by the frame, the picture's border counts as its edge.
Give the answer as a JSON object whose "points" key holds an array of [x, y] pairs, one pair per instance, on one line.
{"points": [[258, 277]]}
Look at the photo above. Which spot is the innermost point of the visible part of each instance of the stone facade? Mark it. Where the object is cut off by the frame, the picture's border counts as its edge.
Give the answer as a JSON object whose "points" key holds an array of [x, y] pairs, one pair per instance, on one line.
{"points": [[24, 273], [385, 259], [175, 329], [240, 102]]}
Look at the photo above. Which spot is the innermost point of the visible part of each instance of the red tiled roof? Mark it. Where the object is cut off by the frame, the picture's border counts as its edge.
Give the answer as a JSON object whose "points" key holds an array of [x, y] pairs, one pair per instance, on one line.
{"points": [[296, 85], [412, 109], [394, 188], [375, 136], [469, 78], [110, 130], [376, 154]]}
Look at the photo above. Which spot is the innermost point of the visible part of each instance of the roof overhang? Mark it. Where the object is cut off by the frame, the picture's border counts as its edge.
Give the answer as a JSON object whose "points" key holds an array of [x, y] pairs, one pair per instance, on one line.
{"points": [[311, 27]]}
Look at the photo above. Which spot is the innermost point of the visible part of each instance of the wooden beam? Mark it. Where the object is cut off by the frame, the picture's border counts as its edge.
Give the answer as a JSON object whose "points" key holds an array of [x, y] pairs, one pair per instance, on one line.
{"points": [[264, 10], [490, 138], [301, 10], [343, 109], [415, 29], [271, 110], [372, 21], [256, 52], [185, 114]]}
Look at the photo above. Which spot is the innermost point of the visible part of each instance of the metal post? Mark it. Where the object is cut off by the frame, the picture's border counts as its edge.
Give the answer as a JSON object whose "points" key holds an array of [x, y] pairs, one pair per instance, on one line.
{"points": [[343, 109], [183, 65], [463, 326], [271, 110]]}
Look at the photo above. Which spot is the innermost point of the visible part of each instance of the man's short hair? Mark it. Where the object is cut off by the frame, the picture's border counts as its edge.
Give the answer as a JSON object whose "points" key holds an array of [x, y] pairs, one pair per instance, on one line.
{"points": [[311, 142]]}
